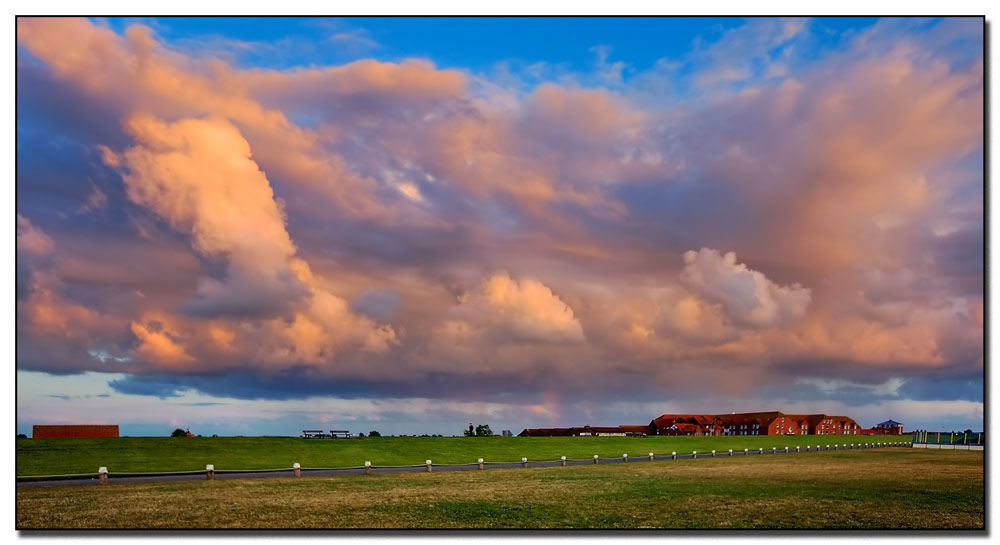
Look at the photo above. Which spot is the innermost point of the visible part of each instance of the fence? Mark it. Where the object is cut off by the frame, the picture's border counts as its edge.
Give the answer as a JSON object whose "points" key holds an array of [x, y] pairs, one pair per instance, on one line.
{"points": [[103, 475], [948, 439]]}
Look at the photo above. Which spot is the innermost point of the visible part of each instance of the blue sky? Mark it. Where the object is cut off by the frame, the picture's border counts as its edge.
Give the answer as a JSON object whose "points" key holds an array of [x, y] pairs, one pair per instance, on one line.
{"points": [[245, 225], [475, 44]]}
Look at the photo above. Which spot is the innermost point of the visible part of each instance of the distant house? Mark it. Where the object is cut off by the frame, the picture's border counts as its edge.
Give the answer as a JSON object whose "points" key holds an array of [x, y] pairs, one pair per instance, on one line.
{"points": [[73, 431], [889, 427]]}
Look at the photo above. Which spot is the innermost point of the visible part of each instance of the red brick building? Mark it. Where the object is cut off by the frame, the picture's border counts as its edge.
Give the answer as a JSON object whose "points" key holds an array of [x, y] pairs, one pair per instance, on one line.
{"points": [[760, 423], [71, 431]]}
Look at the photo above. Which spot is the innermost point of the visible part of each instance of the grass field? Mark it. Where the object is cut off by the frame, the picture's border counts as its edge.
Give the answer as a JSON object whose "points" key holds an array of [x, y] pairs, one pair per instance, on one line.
{"points": [[147, 454], [871, 489]]}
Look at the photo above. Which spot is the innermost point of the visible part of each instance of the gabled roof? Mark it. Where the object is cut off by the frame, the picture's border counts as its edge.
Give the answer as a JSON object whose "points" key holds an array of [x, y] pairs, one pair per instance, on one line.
{"points": [[686, 427], [889, 423]]}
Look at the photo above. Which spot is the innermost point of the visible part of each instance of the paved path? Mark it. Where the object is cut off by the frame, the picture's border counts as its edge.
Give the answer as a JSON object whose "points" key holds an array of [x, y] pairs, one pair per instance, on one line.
{"points": [[200, 476]]}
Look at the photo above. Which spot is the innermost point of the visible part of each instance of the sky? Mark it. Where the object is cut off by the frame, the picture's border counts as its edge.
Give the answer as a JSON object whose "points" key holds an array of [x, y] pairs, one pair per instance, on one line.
{"points": [[258, 226]]}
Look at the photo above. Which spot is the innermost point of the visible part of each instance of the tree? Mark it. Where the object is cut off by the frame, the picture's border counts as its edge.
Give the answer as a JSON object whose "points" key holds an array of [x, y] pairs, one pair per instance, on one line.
{"points": [[483, 430], [361, 435], [468, 432], [22, 436], [374, 433], [178, 433]]}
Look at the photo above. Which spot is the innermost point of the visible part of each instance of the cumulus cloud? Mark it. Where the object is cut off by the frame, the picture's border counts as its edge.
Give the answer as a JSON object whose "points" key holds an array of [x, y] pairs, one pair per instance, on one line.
{"points": [[397, 179], [746, 295], [198, 175], [158, 345], [525, 309]]}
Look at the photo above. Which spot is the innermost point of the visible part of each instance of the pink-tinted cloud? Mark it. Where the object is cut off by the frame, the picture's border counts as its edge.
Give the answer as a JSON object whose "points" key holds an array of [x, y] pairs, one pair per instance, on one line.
{"points": [[30, 239], [747, 296], [783, 220], [525, 309], [199, 177]]}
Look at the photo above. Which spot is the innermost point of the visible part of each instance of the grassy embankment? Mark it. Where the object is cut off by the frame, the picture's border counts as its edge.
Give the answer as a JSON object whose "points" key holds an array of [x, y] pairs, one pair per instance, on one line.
{"points": [[876, 489], [148, 454]]}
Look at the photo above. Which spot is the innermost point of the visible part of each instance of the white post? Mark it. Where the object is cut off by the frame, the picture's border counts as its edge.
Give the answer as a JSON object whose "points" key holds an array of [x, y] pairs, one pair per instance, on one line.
{"points": [[713, 454], [760, 451], [562, 459], [650, 456], [210, 472], [297, 469], [797, 449], [524, 462], [595, 458], [480, 463], [746, 452], [102, 475], [730, 452], [786, 450], [694, 454], [624, 457], [673, 455], [428, 464], [368, 467], [774, 450]]}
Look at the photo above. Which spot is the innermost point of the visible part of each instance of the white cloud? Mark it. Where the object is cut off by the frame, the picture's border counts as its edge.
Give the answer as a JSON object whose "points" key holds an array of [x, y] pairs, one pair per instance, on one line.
{"points": [[746, 295]]}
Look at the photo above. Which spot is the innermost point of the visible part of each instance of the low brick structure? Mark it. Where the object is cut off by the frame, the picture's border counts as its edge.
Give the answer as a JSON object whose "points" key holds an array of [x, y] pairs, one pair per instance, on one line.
{"points": [[74, 431]]}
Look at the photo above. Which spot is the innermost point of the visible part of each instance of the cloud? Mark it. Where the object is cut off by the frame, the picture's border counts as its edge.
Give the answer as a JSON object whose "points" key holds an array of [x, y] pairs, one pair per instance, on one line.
{"points": [[379, 305], [354, 40], [96, 200], [336, 229], [199, 177], [746, 295], [31, 240], [158, 345], [525, 309]]}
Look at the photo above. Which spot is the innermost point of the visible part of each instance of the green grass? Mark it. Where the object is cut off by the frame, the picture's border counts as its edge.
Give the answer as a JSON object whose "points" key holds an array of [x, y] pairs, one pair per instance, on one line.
{"points": [[876, 489], [148, 454]]}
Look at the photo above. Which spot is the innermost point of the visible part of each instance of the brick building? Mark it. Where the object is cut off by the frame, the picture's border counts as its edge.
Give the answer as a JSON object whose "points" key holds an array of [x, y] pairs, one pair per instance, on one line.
{"points": [[759, 423], [73, 431], [889, 427]]}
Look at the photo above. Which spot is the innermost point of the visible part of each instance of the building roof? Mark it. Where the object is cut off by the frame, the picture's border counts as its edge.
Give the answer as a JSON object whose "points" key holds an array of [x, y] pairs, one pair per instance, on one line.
{"points": [[686, 428], [889, 423]]}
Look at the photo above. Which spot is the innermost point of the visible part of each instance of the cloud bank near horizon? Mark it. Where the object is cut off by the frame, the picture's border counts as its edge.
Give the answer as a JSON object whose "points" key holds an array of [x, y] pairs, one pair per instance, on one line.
{"points": [[747, 222]]}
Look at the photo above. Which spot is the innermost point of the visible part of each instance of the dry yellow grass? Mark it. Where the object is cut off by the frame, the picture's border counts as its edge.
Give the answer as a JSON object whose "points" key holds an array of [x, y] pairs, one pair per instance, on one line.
{"points": [[871, 489]]}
